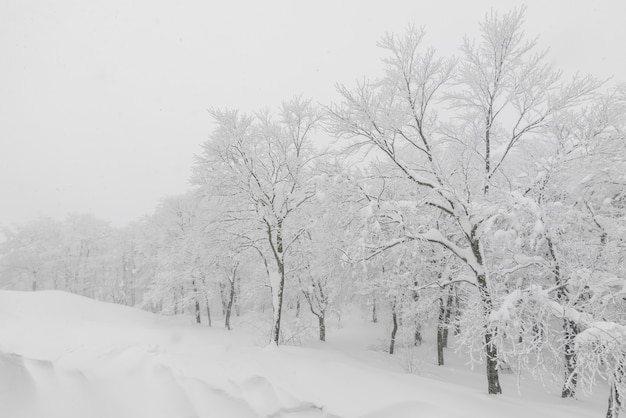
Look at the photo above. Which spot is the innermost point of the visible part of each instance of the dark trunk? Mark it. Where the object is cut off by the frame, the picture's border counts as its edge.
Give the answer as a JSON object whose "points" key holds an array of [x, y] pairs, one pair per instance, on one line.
{"points": [[569, 387], [320, 319], [446, 318], [394, 319], [198, 321], [440, 331], [493, 381]]}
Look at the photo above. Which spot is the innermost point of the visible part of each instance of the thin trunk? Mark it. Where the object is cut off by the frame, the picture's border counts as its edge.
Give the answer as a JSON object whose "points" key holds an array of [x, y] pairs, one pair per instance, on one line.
{"points": [[394, 319], [297, 307], [457, 314], [447, 316], [223, 298], [374, 314], [237, 301], [208, 309], [417, 336], [229, 306], [197, 302], [277, 304], [487, 150]]}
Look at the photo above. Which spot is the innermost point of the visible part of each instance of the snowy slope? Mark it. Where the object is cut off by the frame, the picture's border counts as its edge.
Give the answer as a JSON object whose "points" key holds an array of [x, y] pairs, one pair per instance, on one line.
{"points": [[66, 356]]}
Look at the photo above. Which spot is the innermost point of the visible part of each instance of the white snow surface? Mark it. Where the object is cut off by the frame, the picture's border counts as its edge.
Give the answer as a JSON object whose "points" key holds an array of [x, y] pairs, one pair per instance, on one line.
{"points": [[65, 356]]}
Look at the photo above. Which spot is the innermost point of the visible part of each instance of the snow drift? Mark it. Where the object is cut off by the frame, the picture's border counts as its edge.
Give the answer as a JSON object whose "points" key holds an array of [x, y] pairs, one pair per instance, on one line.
{"points": [[66, 356]]}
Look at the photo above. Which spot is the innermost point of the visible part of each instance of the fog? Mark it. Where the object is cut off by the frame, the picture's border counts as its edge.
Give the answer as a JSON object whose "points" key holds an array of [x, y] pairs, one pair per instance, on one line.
{"points": [[103, 104]]}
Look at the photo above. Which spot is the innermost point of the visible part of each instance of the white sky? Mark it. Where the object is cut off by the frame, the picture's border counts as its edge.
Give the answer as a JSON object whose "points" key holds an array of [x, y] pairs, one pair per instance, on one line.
{"points": [[103, 103]]}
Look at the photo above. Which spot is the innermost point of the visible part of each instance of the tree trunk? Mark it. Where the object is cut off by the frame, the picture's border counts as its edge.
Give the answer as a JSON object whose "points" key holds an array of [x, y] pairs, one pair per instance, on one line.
{"points": [[493, 381], [297, 307], [457, 314], [208, 309], [374, 315], [569, 329], [394, 319], [278, 307], [277, 304], [229, 306], [440, 332], [615, 403], [197, 304], [320, 319], [417, 337], [223, 298], [569, 386], [446, 318], [237, 302], [491, 351]]}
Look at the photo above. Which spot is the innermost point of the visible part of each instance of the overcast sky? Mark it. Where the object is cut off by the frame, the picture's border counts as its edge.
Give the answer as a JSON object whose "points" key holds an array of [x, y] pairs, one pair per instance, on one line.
{"points": [[103, 103]]}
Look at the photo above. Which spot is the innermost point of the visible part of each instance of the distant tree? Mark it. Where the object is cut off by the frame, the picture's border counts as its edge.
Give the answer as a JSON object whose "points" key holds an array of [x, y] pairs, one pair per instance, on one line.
{"points": [[27, 255]]}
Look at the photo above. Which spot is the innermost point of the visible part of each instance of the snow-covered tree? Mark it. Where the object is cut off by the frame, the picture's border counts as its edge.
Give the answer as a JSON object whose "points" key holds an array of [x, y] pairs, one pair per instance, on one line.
{"points": [[261, 165], [27, 255], [453, 128]]}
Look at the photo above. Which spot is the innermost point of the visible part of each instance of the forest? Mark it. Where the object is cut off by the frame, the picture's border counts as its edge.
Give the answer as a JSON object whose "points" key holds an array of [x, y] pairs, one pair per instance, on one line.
{"points": [[475, 200]]}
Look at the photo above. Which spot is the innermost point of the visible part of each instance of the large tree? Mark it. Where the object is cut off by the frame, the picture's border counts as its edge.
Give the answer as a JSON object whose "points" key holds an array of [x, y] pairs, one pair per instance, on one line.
{"points": [[452, 128]]}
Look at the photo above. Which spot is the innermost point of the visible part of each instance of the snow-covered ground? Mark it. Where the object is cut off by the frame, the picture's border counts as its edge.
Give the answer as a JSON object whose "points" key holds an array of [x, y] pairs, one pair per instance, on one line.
{"points": [[65, 356]]}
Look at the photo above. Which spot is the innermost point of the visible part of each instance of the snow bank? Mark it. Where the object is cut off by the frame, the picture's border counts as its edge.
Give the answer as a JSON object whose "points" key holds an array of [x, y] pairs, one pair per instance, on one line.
{"points": [[69, 357]]}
